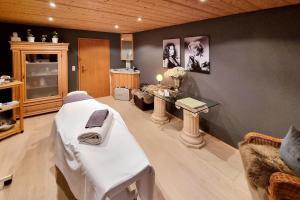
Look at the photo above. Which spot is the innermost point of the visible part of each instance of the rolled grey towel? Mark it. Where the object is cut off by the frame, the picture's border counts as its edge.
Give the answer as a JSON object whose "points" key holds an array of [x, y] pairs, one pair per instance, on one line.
{"points": [[96, 135], [90, 138]]}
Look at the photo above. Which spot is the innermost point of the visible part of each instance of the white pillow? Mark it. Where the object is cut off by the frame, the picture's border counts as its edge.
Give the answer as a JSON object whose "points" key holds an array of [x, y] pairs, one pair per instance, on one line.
{"points": [[77, 92]]}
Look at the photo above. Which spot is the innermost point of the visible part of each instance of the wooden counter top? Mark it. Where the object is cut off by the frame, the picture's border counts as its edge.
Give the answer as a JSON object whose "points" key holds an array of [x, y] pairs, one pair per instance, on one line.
{"points": [[124, 71]]}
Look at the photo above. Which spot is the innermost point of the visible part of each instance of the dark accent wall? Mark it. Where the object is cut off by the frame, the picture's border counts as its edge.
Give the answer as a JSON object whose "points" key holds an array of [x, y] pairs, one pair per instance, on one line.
{"points": [[255, 70], [65, 35]]}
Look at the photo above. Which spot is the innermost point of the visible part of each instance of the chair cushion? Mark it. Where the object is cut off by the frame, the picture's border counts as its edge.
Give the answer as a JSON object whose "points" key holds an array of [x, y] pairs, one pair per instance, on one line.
{"points": [[290, 150], [260, 162]]}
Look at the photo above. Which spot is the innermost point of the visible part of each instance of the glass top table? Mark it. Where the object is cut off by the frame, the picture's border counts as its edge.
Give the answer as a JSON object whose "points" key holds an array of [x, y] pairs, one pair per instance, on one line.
{"points": [[172, 100], [190, 134]]}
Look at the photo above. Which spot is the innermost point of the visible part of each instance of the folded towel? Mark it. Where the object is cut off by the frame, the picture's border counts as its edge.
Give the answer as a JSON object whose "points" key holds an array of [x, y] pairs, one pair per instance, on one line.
{"points": [[96, 135], [76, 97], [97, 118], [90, 138]]}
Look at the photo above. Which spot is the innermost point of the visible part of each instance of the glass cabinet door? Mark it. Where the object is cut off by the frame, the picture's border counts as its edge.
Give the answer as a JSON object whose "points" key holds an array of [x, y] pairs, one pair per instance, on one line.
{"points": [[41, 75]]}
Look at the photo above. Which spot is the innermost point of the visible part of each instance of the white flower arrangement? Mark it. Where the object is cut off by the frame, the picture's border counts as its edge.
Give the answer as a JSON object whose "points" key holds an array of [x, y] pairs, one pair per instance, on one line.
{"points": [[176, 72]]}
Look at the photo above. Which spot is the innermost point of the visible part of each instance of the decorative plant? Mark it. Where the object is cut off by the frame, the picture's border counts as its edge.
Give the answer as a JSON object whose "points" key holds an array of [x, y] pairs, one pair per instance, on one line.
{"points": [[29, 34], [44, 38], [176, 72], [54, 34]]}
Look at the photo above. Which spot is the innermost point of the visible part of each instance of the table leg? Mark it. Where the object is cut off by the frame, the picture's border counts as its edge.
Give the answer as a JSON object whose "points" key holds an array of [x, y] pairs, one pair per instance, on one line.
{"points": [[190, 135], [159, 114]]}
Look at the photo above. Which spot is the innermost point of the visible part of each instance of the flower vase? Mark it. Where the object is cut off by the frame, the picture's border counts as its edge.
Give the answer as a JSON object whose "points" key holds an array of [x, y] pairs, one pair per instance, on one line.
{"points": [[30, 39], [177, 83], [54, 40]]}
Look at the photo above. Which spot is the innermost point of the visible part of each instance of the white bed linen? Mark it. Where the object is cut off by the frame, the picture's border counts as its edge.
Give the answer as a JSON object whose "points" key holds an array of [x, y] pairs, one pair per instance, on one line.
{"points": [[95, 172]]}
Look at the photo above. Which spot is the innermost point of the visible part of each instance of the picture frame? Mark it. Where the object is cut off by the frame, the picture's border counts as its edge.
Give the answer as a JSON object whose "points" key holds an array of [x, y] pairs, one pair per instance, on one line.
{"points": [[196, 54], [171, 53]]}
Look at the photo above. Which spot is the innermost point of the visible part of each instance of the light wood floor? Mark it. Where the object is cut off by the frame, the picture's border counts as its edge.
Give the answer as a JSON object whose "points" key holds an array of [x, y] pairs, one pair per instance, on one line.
{"points": [[214, 172]]}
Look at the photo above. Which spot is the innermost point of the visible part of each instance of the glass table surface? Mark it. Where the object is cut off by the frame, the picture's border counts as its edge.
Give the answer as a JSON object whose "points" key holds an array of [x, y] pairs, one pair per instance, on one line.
{"points": [[172, 100]]}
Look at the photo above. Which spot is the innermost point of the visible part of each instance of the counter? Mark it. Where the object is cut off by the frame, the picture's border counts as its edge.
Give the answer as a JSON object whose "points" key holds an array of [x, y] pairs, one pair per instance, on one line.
{"points": [[124, 78]]}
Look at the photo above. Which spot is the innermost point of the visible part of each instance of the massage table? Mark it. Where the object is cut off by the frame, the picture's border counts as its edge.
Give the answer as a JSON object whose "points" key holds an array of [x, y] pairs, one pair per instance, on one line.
{"points": [[105, 171]]}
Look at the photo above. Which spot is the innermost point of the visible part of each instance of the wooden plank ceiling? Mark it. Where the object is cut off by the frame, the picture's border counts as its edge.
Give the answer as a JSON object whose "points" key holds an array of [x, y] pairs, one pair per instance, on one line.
{"points": [[103, 15]]}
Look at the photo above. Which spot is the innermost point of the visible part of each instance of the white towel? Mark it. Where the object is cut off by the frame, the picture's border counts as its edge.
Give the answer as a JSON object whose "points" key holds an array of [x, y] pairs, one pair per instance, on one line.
{"points": [[96, 135]]}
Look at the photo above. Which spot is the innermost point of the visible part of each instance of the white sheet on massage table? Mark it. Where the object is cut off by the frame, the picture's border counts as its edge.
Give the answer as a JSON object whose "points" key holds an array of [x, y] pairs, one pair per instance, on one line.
{"points": [[93, 171]]}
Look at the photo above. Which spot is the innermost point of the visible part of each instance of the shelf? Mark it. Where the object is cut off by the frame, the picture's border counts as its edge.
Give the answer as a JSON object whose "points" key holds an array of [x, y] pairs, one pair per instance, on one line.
{"points": [[6, 108], [42, 87], [14, 130], [41, 75], [10, 85], [40, 63]]}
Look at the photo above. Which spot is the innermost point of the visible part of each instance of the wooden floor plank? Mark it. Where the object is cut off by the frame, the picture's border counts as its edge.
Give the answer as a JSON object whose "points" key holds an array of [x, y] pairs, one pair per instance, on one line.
{"points": [[211, 173]]}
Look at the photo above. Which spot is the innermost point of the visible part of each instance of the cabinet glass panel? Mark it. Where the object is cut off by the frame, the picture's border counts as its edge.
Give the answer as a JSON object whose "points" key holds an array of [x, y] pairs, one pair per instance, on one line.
{"points": [[41, 75]]}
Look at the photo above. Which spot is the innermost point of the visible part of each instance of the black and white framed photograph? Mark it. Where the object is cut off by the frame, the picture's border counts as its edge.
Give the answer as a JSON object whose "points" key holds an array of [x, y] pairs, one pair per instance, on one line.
{"points": [[171, 53], [196, 54]]}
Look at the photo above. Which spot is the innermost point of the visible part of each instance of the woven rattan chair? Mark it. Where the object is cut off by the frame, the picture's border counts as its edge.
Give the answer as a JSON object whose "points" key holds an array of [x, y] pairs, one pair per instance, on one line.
{"points": [[281, 186]]}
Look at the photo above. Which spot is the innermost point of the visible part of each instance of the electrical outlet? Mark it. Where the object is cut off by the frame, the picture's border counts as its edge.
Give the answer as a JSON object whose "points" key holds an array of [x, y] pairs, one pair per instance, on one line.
{"points": [[73, 68]]}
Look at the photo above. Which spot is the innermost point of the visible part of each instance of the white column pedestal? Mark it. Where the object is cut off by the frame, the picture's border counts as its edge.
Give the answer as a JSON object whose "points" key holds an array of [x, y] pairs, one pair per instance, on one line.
{"points": [[159, 115], [190, 135]]}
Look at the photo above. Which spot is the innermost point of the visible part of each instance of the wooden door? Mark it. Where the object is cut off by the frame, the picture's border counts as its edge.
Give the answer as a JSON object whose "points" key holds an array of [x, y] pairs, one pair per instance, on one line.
{"points": [[94, 66]]}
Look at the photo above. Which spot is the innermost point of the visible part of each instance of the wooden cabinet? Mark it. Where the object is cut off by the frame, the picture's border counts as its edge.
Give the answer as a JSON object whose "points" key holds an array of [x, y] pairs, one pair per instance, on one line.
{"points": [[128, 80], [43, 67]]}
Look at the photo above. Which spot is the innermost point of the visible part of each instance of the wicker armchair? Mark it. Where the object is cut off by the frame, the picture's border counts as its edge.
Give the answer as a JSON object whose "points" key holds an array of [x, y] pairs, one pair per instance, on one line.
{"points": [[281, 186]]}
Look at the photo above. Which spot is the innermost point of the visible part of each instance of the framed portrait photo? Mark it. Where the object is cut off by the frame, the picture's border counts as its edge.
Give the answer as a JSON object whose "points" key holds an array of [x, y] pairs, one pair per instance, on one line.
{"points": [[171, 53], [196, 54]]}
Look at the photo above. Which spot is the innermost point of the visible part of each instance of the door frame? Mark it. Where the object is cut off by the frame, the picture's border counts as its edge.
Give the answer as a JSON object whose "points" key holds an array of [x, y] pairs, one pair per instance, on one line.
{"points": [[78, 55]]}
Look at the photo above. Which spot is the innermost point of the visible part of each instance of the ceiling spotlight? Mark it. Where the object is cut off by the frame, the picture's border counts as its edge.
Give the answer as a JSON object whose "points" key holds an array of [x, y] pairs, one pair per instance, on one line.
{"points": [[203, 1], [139, 19], [52, 4], [50, 19], [116, 26]]}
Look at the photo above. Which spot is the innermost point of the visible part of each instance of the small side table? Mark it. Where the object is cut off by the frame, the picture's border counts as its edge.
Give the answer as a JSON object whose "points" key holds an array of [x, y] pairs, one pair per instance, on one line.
{"points": [[159, 114]]}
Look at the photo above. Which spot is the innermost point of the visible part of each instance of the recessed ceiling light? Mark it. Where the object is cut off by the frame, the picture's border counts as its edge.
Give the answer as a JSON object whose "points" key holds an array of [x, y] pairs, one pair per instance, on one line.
{"points": [[139, 19], [203, 1], [50, 19], [116, 26], [52, 4]]}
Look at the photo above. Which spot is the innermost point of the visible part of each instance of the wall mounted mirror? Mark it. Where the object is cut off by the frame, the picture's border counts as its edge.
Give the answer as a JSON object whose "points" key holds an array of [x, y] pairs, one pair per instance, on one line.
{"points": [[126, 47]]}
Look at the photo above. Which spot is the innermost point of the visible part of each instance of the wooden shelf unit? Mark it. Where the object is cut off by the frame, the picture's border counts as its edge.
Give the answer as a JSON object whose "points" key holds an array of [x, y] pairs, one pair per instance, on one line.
{"points": [[43, 68], [6, 108], [17, 94]]}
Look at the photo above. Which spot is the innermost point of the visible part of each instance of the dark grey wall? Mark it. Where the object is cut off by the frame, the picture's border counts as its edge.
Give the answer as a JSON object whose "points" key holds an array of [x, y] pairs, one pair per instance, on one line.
{"points": [[65, 35], [255, 70]]}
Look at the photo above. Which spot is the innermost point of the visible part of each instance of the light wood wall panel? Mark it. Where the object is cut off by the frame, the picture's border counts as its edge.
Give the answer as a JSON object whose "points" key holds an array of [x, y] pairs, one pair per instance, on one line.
{"points": [[102, 15]]}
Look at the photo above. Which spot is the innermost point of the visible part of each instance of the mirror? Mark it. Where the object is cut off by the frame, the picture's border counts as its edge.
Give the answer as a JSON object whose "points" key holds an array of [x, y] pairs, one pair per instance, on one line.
{"points": [[126, 47]]}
